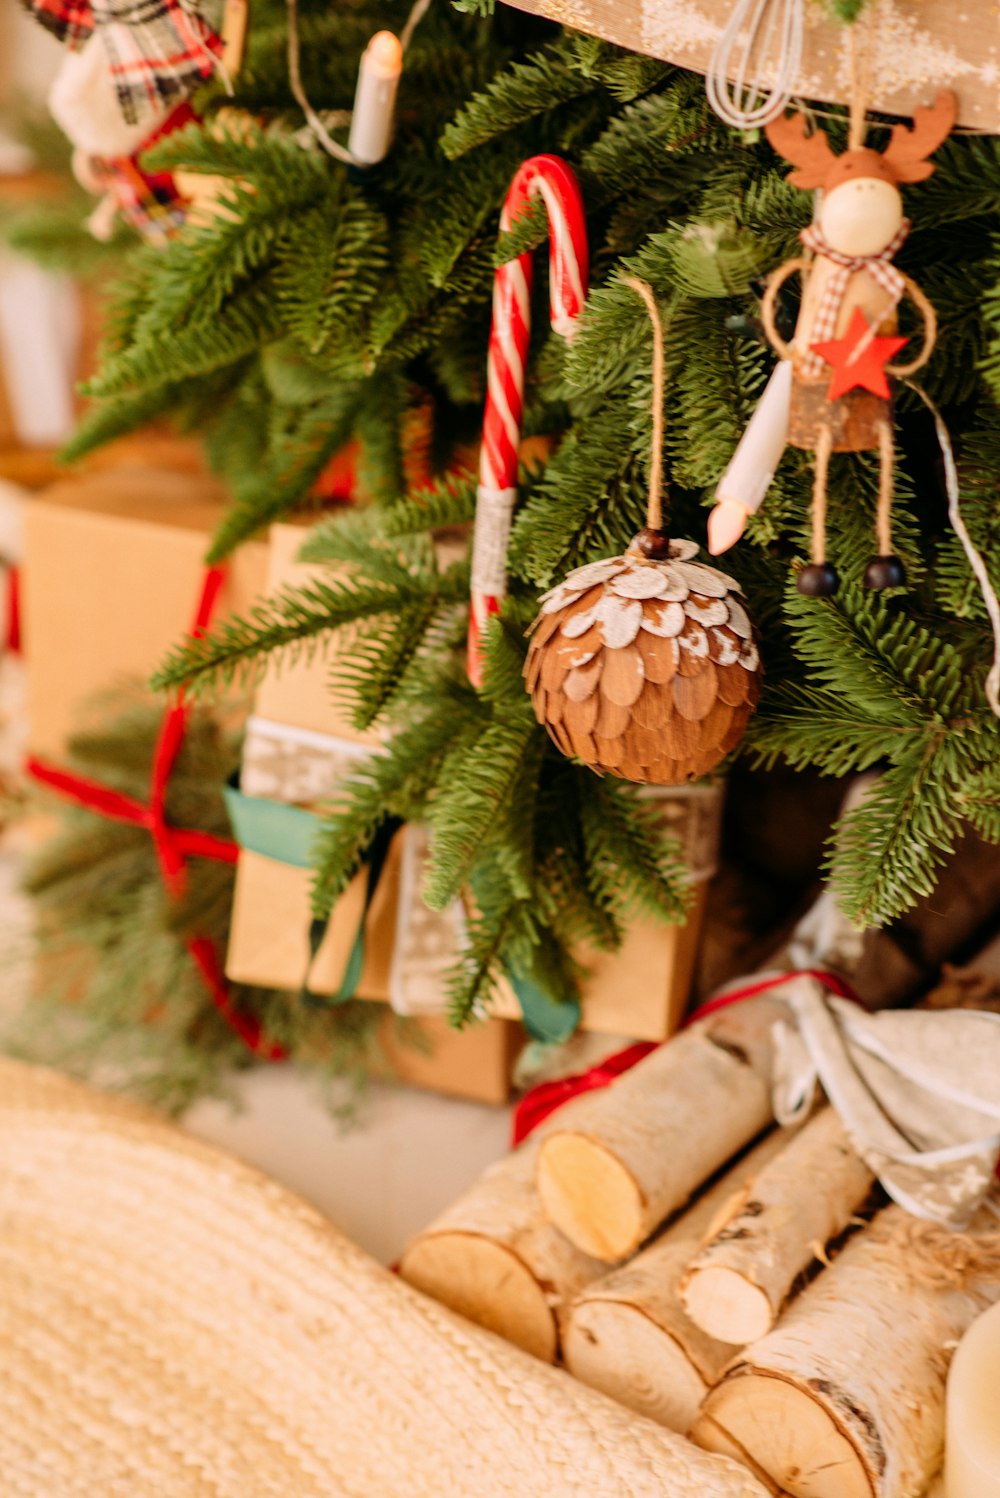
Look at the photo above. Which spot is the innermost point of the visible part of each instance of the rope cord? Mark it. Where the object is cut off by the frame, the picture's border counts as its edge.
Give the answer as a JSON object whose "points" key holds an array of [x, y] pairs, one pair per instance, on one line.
{"points": [[654, 508]]}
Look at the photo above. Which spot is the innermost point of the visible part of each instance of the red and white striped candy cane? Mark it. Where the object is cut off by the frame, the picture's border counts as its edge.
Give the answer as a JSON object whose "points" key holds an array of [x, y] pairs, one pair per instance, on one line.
{"points": [[553, 180]]}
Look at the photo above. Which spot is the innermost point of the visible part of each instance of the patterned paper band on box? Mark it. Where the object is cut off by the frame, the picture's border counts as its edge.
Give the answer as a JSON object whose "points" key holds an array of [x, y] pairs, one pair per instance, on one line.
{"points": [[301, 767], [917, 46], [281, 763], [693, 814], [428, 942]]}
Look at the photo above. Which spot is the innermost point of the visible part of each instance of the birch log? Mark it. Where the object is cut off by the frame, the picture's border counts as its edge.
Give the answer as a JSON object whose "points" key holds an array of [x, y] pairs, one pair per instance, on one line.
{"points": [[494, 1258], [845, 1398], [805, 1196], [636, 1151], [628, 1334]]}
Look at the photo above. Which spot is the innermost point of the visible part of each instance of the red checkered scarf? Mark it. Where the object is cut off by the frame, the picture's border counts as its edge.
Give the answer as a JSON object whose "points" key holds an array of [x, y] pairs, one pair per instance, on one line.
{"points": [[159, 51], [879, 267]]}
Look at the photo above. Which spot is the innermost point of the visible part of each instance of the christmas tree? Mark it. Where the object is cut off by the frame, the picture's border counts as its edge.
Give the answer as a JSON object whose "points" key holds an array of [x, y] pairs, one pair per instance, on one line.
{"points": [[321, 304]]}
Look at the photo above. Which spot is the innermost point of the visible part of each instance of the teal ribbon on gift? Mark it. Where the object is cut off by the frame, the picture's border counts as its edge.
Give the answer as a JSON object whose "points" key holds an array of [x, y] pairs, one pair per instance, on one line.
{"points": [[288, 835], [271, 828], [546, 1019]]}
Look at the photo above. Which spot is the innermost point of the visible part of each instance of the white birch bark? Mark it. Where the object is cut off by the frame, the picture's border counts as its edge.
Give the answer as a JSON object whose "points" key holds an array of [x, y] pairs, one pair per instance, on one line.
{"points": [[845, 1398], [637, 1150], [493, 1257], [804, 1197], [628, 1334]]}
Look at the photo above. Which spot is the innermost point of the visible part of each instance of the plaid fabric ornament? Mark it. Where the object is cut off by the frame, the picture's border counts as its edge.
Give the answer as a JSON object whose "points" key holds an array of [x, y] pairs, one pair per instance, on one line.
{"points": [[70, 21], [149, 201], [158, 51]]}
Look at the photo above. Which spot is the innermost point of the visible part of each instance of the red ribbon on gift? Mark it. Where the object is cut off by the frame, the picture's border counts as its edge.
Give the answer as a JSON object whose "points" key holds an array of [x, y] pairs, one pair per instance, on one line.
{"points": [[173, 845], [12, 623], [544, 1099]]}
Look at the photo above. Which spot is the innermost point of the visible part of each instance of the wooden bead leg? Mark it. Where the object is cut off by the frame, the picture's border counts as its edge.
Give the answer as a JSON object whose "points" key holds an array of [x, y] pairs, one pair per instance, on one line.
{"points": [[883, 512], [824, 446]]}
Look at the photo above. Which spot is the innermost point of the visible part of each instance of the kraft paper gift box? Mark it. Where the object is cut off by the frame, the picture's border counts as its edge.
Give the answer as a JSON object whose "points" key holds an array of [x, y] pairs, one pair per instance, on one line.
{"points": [[299, 743], [113, 571], [269, 944], [640, 991]]}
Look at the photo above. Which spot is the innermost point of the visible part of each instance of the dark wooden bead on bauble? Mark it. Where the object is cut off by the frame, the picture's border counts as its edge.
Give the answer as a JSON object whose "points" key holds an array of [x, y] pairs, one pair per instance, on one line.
{"points": [[645, 668], [818, 580], [885, 572], [653, 544]]}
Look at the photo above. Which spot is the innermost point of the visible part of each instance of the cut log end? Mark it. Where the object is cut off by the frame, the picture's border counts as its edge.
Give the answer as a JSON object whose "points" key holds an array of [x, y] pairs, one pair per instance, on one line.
{"points": [[486, 1283], [785, 1434], [727, 1306], [618, 1350], [711, 1437], [590, 1196]]}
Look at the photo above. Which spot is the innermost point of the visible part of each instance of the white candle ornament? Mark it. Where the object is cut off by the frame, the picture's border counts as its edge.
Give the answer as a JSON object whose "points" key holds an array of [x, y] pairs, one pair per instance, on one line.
{"points": [[375, 100], [972, 1444], [747, 479]]}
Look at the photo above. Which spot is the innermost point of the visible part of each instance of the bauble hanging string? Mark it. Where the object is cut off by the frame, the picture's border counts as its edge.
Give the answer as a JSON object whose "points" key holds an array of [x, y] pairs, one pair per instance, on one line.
{"points": [[645, 665]]}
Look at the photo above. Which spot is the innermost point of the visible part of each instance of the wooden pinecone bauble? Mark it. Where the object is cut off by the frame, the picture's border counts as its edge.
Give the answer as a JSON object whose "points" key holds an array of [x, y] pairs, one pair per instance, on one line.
{"points": [[646, 669]]}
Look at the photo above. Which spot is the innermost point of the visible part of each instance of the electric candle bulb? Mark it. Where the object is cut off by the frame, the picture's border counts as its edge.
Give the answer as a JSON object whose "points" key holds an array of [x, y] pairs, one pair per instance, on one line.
{"points": [[751, 468], [972, 1446], [375, 99]]}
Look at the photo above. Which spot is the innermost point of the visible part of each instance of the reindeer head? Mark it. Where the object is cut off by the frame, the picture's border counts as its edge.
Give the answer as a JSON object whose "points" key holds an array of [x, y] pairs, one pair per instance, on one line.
{"points": [[861, 208]]}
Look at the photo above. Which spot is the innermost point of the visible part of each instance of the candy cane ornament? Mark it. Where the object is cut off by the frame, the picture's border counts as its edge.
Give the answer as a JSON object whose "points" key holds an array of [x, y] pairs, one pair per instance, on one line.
{"points": [[553, 180]]}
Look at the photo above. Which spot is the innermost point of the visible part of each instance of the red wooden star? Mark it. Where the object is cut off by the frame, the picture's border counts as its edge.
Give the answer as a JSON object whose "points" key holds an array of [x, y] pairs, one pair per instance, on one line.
{"points": [[865, 372]]}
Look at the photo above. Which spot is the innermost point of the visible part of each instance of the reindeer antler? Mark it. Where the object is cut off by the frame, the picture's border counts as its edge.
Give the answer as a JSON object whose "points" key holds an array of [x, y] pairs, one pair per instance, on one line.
{"points": [[907, 149], [811, 155]]}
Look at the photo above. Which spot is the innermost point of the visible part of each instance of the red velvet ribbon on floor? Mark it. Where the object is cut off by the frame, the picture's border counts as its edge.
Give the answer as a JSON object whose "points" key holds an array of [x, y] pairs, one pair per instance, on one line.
{"points": [[173, 845], [544, 1099]]}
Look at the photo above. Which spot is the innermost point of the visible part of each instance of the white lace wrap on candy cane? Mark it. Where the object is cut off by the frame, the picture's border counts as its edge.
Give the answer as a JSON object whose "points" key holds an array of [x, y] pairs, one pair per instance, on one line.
{"points": [[494, 509]]}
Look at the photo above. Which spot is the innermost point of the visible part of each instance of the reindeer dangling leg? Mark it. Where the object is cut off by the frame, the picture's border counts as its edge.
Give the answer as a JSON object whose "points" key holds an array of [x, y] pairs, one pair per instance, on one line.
{"points": [[820, 578], [885, 570]]}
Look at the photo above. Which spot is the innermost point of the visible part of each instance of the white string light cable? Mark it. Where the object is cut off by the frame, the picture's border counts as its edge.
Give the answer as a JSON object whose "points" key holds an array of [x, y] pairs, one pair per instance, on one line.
{"points": [[973, 555], [378, 76], [762, 39]]}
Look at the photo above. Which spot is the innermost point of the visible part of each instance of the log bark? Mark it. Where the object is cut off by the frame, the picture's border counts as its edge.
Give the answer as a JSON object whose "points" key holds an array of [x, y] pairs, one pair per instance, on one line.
{"points": [[636, 1151], [804, 1197], [494, 1258], [628, 1334], [845, 1397]]}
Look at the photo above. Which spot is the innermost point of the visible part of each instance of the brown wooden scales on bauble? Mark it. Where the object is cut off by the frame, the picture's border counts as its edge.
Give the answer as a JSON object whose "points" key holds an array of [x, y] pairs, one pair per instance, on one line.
{"points": [[645, 667]]}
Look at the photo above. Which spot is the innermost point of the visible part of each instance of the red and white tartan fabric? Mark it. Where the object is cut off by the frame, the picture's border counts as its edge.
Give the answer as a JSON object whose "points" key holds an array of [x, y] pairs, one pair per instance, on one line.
{"points": [[70, 21], [879, 267], [149, 201], [158, 51]]}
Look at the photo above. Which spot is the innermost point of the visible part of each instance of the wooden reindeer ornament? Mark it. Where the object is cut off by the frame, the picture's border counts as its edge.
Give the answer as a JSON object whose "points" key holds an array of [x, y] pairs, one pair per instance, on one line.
{"points": [[847, 323]]}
